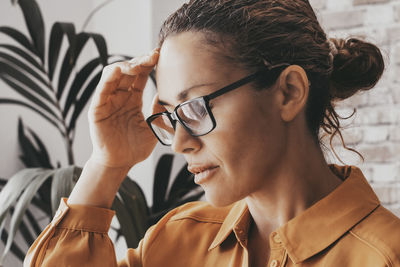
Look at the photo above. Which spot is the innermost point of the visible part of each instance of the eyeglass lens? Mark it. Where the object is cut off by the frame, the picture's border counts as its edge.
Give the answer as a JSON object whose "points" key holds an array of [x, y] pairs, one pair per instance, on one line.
{"points": [[193, 115]]}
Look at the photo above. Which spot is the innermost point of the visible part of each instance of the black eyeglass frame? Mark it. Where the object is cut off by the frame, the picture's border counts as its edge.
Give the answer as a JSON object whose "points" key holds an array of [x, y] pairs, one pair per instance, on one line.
{"points": [[174, 117]]}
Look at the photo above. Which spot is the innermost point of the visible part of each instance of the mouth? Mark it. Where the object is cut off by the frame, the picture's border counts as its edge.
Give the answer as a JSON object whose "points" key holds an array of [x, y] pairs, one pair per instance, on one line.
{"points": [[203, 174], [200, 169]]}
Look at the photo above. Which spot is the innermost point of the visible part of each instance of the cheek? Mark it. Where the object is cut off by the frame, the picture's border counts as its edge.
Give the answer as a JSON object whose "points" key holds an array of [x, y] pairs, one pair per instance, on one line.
{"points": [[248, 148], [246, 143]]}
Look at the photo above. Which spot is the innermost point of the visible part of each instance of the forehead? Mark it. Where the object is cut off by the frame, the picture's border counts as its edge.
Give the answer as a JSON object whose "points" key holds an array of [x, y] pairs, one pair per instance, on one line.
{"points": [[186, 61]]}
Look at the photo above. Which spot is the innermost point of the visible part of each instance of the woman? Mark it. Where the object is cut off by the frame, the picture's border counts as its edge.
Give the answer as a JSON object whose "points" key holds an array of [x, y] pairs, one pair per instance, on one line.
{"points": [[245, 90]]}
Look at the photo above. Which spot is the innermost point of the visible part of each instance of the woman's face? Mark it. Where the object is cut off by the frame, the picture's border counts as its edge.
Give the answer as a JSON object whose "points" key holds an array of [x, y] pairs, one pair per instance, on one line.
{"points": [[248, 142]]}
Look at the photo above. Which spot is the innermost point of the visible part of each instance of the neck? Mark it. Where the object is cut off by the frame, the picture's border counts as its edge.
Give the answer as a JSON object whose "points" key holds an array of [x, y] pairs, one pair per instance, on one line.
{"points": [[291, 190]]}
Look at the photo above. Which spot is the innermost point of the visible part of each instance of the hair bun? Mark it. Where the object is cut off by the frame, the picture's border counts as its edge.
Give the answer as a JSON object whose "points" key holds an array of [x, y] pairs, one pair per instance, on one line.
{"points": [[357, 65]]}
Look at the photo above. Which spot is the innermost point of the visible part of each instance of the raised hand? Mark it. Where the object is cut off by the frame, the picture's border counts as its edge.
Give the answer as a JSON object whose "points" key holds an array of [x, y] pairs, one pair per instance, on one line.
{"points": [[118, 130]]}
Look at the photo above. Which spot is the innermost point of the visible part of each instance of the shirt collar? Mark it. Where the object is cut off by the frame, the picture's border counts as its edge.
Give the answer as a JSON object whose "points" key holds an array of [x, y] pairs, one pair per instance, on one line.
{"points": [[320, 225], [237, 220]]}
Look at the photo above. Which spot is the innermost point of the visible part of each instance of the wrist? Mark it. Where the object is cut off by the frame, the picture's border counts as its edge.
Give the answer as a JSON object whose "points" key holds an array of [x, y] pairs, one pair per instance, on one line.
{"points": [[98, 184], [101, 165]]}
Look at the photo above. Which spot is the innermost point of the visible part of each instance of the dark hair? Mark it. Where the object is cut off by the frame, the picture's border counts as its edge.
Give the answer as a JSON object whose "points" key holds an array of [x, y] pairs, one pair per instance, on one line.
{"points": [[254, 33]]}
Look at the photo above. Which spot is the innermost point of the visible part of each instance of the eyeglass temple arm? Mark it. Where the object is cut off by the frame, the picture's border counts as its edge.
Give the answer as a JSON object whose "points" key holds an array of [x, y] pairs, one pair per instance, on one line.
{"points": [[243, 81]]}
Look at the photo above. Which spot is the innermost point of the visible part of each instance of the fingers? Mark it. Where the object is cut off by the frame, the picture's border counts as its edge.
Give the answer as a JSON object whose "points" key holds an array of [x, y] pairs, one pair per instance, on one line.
{"points": [[142, 65], [137, 66], [126, 75], [109, 80]]}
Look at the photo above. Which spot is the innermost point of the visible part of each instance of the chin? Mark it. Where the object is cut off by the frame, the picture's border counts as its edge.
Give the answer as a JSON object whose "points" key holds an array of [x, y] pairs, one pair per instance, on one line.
{"points": [[218, 199]]}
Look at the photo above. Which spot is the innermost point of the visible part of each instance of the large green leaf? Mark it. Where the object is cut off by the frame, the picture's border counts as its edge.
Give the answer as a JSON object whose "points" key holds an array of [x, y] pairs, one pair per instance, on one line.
{"points": [[132, 237], [35, 24], [15, 249], [183, 184], [26, 68], [135, 201], [14, 187], [62, 185], [70, 57], [24, 55], [17, 102], [17, 36], [42, 205], [44, 155], [29, 153], [101, 45], [22, 204], [73, 53], [139, 218], [56, 36], [18, 75], [78, 82], [65, 72], [44, 193], [34, 222], [12, 82], [25, 232], [87, 93], [83, 37], [33, 155], [132, 188], [161, 181]]}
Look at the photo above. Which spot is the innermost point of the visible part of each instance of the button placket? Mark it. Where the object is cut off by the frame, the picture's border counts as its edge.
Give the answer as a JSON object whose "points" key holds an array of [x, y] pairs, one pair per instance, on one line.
{"points": [[277, 250], [277, 238], [274, 263], [240, 235]]}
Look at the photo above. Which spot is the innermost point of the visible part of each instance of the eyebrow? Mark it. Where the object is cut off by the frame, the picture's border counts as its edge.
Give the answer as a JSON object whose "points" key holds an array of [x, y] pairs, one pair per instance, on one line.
{"points": [[183, 95]]}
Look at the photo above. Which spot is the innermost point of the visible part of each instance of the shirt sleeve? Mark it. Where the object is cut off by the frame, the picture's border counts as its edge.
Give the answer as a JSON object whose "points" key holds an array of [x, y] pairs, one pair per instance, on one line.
{"points": [[78, 236]]}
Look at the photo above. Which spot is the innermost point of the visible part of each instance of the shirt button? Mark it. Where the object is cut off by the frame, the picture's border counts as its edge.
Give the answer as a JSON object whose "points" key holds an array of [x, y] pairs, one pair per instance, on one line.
{"points": [[277, 238], [239, 231], [274, 263]]}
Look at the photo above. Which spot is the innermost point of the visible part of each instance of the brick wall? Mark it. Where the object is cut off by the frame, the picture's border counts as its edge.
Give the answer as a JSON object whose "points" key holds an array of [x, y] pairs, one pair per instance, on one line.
{"points": [[375, 129]]}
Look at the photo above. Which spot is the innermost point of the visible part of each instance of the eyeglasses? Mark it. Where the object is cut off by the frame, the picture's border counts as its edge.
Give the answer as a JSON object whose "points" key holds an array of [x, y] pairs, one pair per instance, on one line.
{"points": [[195, 115]]}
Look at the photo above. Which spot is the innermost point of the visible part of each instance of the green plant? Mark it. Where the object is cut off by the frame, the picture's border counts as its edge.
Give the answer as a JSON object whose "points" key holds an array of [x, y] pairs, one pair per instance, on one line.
{"points": [[59, 98], [25, 69], [182, 190]]}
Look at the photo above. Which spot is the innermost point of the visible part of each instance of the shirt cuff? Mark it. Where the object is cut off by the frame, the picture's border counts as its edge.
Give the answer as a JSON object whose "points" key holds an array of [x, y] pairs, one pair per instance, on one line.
{"points": [[82, 217]]}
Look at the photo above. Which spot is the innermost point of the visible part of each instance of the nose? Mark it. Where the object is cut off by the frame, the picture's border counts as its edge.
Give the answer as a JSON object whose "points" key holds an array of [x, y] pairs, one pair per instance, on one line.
{"points": [[183, 142]]}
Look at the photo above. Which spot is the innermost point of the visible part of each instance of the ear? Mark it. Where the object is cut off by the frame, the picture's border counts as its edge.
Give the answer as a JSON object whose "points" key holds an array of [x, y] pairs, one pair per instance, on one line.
{"points": [[294, 90]]}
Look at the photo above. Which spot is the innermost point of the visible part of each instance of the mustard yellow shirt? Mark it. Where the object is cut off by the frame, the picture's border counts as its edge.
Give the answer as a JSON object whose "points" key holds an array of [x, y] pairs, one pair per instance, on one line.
{"points": [[348, 227]]}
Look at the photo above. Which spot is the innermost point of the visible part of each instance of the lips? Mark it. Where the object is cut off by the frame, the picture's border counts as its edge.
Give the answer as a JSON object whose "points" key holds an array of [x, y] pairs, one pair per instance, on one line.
{"points": [[195, 169]]}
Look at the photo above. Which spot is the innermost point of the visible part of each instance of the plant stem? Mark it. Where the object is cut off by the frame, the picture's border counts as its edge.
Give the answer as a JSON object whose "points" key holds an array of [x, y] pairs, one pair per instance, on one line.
{"points": [[94, 11], [71, 160]]}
